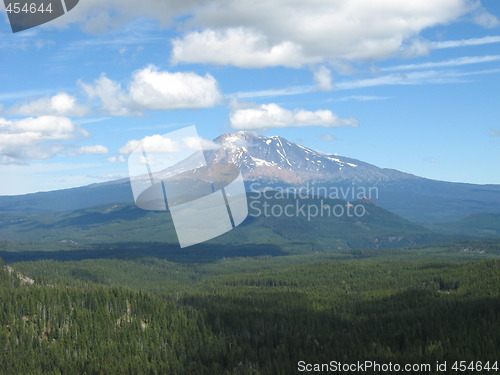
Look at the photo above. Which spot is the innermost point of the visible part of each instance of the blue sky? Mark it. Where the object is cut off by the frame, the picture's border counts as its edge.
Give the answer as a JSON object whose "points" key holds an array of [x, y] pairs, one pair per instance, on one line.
{"points": [[408, 85]]}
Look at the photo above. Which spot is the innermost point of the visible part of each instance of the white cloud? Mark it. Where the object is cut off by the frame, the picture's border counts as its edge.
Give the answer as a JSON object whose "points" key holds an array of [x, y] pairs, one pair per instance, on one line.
{"points": [[151, 89], [268, 33], [35, 138], [269, 116], [156, 90], [61, 104], [495, 133], [90, 150], [237, 46], [323, 77]]}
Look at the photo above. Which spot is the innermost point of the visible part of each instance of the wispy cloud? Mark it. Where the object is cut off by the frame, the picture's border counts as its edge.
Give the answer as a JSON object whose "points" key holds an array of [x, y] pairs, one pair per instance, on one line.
{"points": [[92, 120], [136, 34], [467, 60], [160, 126], [495, 133], [113, 42], [25, 41], [416, 78], [465, 42], [294, 90], [412, 78], [409, 78]]}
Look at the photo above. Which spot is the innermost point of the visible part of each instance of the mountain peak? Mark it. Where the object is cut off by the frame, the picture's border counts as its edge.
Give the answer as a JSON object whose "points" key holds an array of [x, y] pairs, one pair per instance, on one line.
{"points": [[277, 159], [237, 137]]}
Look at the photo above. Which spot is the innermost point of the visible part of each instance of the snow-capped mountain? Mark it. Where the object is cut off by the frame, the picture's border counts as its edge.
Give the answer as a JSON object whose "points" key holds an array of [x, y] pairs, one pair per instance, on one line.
{"points": [[277, 159]]}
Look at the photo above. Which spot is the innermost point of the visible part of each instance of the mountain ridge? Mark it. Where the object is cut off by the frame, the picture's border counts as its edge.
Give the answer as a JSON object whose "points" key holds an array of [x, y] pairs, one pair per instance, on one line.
{"points": [[119, 224]]}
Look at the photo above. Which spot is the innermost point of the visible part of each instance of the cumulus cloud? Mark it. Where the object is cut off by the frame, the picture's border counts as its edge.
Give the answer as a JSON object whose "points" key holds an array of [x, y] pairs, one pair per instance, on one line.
{"points": [[268, 116], [61, 104], [264, 33], [237, 46], [35, 138], [152, 89]]}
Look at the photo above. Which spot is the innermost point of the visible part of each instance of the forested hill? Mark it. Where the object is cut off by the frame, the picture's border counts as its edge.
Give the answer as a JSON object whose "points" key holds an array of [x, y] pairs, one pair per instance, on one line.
{"points": [[96, 329], [260, 322]]}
